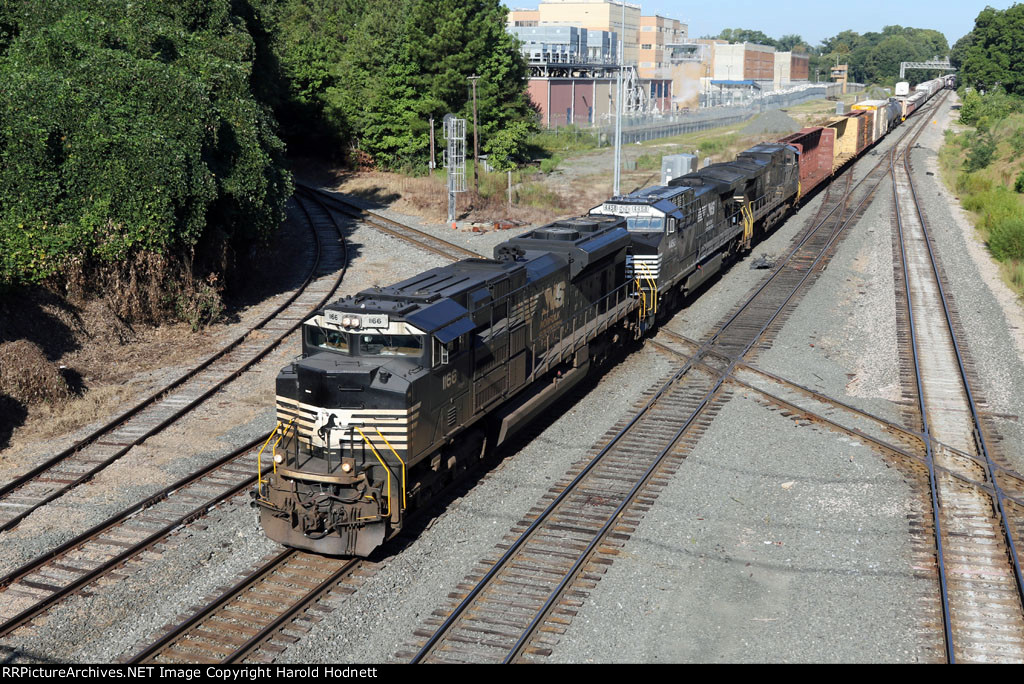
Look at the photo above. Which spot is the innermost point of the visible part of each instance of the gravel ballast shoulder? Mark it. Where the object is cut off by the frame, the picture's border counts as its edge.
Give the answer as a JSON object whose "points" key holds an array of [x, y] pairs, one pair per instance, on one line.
{"points": [[774, 542]]}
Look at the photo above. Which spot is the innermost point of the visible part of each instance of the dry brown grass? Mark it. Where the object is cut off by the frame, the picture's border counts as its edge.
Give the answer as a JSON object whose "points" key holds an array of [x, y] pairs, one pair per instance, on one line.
{"points": [[536, 198], [60, 418], [27, 376]]}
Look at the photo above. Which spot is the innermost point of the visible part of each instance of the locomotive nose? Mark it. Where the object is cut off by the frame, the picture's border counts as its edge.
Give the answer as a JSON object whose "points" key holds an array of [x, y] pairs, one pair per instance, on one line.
{"points": [[326, 386]]}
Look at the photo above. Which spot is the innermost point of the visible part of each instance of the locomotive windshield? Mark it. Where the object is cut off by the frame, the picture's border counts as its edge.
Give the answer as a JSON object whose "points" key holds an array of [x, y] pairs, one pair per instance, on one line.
{"points": [[379, 344], [332, 340], [645, 224]]}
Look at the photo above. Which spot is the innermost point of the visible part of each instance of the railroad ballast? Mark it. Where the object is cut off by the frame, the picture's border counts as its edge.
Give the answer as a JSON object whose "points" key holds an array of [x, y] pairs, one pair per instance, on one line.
{"points": [[400, 387]]}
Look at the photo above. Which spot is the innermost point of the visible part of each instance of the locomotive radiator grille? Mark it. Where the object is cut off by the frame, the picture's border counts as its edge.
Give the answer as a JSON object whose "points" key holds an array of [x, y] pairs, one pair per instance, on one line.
{"points": [[643, 266]]}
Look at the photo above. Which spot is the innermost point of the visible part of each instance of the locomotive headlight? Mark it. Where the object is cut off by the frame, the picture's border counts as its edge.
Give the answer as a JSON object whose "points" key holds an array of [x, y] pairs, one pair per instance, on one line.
{"points": [[347, 321], [278, 459], [346, 467]]}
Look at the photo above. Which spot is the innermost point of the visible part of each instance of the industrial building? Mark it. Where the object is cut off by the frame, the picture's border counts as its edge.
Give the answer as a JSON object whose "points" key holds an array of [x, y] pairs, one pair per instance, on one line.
{"points": [[572, 49]]}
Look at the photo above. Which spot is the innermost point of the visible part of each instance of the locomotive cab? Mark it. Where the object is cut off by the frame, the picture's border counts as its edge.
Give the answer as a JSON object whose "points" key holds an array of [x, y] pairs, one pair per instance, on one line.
{"points": [[344, 410], [661, 236]]}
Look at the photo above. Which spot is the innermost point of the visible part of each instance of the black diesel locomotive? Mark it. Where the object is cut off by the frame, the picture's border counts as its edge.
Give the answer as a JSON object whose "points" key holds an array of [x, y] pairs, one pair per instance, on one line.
{"points": [[394, 385], [398, 387], [684, 232]]}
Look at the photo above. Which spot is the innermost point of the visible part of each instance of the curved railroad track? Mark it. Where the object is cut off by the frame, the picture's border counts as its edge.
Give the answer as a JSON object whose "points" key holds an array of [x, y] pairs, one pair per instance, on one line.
{"points": [[513, 607], [415, 237], [80, 462]]}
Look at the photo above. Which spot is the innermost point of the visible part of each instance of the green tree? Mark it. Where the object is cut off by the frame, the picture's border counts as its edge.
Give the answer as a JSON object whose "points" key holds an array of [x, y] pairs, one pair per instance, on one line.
{"points": [[739, 35], [993, 53], [128, 127]]}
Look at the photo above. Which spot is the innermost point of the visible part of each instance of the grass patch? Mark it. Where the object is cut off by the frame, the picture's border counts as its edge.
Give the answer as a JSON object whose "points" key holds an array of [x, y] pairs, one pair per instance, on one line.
{"points": [[550, 164], [980, 165], [538, 196], [566, 139]]}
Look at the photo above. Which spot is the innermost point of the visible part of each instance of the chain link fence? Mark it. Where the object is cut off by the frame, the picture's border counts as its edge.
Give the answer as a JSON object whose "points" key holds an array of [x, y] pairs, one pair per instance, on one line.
{"points": [[641, 127]]}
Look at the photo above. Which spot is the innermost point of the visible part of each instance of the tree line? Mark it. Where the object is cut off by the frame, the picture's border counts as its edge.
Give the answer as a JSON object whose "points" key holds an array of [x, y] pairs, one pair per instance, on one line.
{"points": [[991, 56], [160, 127]]}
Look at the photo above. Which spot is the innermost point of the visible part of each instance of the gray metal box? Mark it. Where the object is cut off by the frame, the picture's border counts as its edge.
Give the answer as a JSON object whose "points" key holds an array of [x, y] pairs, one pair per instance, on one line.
{"points": [[676, 165]]}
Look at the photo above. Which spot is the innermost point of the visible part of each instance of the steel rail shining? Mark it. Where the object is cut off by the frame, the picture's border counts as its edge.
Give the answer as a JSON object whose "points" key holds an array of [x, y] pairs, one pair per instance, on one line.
{"points": [[947, 626]]}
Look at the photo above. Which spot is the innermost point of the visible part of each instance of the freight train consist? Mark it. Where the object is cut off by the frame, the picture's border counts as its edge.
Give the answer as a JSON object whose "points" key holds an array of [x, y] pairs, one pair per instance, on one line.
{"points": [[399, 387]]}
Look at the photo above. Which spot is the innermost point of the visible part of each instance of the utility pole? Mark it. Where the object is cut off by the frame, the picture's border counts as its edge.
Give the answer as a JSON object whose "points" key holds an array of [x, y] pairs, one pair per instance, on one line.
{"points": [[618, 104], [476, 149]]}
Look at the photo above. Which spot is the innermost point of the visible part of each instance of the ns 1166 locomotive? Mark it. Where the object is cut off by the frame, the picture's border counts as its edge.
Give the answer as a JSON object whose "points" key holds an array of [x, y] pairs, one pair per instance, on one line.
{"points": [[397, 387]]}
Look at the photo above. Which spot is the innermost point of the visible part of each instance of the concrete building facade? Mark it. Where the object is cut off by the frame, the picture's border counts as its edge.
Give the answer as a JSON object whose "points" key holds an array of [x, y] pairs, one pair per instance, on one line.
{"points": [[657, 35], [743, 62], [783, 70]]}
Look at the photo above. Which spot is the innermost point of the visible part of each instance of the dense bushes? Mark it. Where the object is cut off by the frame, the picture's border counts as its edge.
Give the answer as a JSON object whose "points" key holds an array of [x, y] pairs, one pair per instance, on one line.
{"points": [[128, 127]]}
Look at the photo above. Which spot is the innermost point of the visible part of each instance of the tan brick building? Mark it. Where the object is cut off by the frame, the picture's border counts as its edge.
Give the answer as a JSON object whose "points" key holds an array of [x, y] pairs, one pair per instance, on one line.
{"points": [[656, 35]]}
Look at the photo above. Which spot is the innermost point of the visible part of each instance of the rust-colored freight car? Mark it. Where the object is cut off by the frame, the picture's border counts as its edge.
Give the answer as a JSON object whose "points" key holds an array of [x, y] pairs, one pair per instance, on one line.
{"points": [[815, 145]]}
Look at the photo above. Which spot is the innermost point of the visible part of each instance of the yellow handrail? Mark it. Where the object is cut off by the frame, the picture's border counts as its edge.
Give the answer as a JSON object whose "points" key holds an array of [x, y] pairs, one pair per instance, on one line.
{"points": [[259, 459], [283, 434], [386, 469], [748, 223], [404, 505], [642, 311], [649, 277]]}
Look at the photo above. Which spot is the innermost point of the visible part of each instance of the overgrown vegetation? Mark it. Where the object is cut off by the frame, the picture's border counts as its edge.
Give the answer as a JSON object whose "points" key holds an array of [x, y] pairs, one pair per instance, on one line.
{"points": [[139, 141], [129, 128], [371, 75], [981, 165], [991, 56]]}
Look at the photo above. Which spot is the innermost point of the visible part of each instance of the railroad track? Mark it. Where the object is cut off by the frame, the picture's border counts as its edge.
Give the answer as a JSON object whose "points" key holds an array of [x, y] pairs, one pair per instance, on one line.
{"points": [[259, 616], [816, 407], [415, 237], [79, 463], [45, 581], [514, 606], [976, 530]]}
